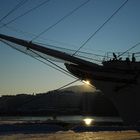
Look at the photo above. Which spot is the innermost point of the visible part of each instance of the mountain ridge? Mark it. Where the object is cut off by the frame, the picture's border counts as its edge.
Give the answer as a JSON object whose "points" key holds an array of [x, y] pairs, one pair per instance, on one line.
{"points": [[80, 88]]}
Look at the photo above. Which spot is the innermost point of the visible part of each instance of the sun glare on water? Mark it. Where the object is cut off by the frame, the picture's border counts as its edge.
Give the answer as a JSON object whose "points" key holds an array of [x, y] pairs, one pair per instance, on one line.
{"points": [[88, 121]]}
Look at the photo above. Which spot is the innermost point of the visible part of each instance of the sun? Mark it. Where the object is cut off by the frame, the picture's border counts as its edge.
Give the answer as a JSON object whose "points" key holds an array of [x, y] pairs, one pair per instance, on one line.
{"points": [[86, 82]]}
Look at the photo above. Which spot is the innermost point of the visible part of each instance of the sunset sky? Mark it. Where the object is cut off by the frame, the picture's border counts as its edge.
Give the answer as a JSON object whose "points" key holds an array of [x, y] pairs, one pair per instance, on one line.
{"points": [[20, 73]]}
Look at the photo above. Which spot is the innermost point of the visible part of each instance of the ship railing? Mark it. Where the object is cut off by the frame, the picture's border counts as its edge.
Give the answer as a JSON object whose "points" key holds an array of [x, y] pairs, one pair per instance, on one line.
{"points": [[129, 56], [92, 57]]}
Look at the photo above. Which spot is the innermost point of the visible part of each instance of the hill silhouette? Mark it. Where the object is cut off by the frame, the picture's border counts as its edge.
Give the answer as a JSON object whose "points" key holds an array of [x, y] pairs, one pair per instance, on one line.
{"points": [[80, 88], [69, 101]]}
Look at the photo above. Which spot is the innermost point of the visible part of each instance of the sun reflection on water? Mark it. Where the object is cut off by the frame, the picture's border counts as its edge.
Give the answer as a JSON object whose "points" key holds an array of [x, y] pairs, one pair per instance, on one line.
{"points": [[88, 121]]}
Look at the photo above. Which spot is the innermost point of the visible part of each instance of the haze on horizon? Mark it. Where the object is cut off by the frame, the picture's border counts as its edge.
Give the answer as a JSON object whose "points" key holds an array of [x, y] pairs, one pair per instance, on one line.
{"points": [[20, 73]]}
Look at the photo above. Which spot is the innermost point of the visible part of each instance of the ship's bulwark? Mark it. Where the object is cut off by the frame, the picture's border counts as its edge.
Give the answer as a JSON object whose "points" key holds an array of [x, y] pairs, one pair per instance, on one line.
{"points": [[121, 87]]}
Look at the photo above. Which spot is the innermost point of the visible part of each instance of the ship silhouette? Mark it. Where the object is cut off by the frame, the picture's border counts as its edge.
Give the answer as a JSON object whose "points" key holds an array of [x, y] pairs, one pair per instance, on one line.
{"points": [[117, 78]]}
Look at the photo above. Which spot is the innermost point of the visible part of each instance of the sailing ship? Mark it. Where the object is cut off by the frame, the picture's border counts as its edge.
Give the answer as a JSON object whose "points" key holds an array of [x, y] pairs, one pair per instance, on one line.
{"points": [[118, 79]]}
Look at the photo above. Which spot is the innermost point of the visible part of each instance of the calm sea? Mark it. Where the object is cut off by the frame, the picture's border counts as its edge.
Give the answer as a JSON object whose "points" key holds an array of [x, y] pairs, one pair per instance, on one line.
{"points": [[72, 119]]}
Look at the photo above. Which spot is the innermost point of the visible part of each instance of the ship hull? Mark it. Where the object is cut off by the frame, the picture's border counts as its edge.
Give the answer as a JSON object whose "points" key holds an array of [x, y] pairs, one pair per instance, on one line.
{"points": [[125, 98], [121, 88]]}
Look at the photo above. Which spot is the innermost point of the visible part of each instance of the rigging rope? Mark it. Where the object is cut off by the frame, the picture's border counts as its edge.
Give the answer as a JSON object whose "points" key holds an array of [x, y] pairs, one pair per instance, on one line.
{"points": [[100, 27], [27, 12], [52, 63], [134, 46], [58, 67], [78, 79], [53, 67], [62, 70], [32, 100], [53, 46], [61, 19], [14, 9], [68, 84]]}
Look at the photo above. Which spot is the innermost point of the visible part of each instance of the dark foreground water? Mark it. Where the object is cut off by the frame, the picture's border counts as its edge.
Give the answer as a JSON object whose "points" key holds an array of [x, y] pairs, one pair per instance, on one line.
{"points": [[70, 135], [66, 128]]}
